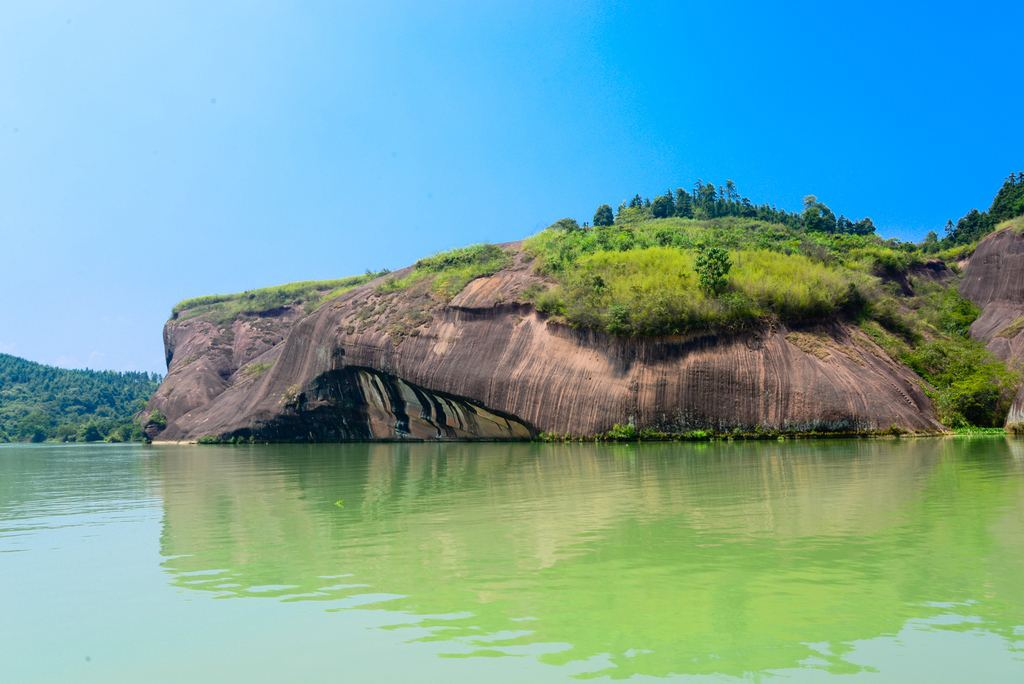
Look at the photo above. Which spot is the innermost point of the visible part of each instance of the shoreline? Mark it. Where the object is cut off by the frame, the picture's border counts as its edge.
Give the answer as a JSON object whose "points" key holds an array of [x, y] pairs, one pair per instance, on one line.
{"points": [[602, 439]]}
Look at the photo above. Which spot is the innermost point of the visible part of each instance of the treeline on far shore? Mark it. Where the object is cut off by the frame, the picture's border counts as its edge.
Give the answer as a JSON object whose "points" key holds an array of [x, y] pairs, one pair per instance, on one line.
{"points": [[44, 403]]}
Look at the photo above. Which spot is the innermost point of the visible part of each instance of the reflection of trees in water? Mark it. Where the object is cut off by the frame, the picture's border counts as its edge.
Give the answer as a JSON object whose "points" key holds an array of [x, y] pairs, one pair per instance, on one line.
{"points": [[34, 479], [718, 558]]}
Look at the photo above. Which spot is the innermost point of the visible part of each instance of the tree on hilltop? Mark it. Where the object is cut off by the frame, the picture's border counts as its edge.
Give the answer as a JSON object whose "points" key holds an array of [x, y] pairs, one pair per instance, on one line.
{"points": [[603, 216], [663, 206]]}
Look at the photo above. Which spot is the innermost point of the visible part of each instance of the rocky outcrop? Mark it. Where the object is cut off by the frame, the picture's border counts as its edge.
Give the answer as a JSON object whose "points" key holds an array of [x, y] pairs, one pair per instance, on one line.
{"points": [[994, 280], [206, 357], [380, 364]]}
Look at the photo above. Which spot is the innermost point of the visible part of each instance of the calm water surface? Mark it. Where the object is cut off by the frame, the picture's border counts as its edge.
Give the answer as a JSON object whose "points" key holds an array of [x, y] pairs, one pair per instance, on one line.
{"points": [[878, 561]]}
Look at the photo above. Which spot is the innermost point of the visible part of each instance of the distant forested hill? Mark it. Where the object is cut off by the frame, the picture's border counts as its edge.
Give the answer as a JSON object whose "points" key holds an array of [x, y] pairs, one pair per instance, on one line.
{"points": [[39, 402]]}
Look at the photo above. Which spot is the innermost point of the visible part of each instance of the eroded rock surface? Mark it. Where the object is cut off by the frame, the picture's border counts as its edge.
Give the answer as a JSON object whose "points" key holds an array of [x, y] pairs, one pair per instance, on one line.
{"points": [[204, 358]]}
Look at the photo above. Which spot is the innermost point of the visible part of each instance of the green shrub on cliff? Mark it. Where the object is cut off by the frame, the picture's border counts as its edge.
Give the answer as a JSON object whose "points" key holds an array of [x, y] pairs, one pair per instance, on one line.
{"points": [[951, 313], [157, 418], [712, 265], [971, 387], [930, 333]]}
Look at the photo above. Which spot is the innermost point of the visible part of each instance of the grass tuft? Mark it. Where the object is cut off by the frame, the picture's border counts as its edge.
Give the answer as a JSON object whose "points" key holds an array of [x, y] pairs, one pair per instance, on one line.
{"points": [[1013, 329]]}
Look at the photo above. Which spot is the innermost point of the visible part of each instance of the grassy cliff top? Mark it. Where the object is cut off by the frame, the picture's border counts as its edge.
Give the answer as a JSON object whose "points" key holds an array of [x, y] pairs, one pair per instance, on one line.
{"points": [[309, 294], [1014, 224], [651, 277]]}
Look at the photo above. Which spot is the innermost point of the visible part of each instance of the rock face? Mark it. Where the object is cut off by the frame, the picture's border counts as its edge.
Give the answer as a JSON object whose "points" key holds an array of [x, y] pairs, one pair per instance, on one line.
{"points": [[994, 280], [374, 364], [204, 357]]}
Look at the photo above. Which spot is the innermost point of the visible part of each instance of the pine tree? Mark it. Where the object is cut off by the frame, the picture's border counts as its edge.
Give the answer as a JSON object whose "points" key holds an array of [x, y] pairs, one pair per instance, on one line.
{"points": [[684, 204], [663, 206], [603, 216]]}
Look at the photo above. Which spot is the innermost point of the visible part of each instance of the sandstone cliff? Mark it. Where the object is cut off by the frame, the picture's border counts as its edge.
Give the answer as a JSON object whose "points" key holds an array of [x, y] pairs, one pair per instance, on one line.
{"points": [[994, 280], [379, 364]]}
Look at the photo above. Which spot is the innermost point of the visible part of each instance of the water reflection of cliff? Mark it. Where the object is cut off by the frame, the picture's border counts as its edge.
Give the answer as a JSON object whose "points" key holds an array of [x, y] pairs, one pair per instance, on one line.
{"points": [[723, 558]]}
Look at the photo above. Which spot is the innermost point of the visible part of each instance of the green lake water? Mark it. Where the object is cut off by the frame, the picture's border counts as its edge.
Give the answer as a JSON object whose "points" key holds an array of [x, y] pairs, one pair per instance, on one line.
{"points": [[870, 560]]}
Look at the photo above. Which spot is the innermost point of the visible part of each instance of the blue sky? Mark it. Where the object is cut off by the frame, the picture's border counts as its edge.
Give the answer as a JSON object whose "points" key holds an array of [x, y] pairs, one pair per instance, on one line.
{"points": [[155, 151]]}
